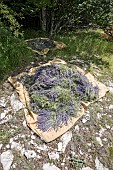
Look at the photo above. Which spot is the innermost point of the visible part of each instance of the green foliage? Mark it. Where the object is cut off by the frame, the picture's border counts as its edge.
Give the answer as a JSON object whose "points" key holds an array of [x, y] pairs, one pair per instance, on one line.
{"points": [[8, 19], [84, 13], [110, 150], [64, 97], [62, 14], [31, 34], [97, 12], [4, 136], [42, 3], [77, 163], [13, 51]]}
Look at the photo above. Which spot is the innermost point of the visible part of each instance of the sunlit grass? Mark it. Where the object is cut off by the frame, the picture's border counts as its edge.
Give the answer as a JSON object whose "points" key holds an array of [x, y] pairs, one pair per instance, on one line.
{"points": [[84, 45], [87, 42], [87, 46]]}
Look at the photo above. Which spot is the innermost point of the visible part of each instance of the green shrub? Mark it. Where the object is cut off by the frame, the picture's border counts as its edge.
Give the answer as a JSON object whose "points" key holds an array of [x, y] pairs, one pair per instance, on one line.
{"points": [[9, 20], [13, 51]]}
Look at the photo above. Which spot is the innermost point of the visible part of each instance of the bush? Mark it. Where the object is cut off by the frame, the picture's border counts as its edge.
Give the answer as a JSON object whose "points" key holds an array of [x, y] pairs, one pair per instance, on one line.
{"points": [[9, 20], [13, 51]]}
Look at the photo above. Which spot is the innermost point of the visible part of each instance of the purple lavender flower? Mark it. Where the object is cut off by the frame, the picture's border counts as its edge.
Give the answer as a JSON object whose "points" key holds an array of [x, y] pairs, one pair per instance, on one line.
{"points": [[55, 94]]}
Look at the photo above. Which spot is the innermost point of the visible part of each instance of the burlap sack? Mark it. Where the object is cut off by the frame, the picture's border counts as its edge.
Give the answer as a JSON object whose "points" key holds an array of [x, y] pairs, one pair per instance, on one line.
{"points": [[57, 44], [31, 118]]}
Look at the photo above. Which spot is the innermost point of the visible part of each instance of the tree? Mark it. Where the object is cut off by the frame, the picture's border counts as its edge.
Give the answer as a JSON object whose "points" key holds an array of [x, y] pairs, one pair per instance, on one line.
{"points": [[56, 15]]}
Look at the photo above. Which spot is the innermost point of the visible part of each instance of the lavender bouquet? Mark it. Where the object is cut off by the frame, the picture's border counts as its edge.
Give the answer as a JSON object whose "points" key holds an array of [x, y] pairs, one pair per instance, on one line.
{"points": [[56, 92]]}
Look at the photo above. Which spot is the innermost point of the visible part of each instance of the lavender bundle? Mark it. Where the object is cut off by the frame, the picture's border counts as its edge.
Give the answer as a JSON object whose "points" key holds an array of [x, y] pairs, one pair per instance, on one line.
{"points": [[56, 92]]}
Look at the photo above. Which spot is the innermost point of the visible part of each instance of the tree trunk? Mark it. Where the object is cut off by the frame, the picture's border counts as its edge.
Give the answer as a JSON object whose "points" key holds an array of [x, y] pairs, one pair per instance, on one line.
{"points": [[52, 23], [44, 19]]}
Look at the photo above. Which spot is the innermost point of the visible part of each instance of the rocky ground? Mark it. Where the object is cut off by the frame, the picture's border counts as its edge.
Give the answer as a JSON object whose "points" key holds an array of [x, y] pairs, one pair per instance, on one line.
{"points": [[86, 146]]}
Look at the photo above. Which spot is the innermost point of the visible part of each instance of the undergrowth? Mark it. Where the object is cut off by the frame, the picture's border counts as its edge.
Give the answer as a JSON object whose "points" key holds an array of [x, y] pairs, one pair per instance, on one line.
{"points": [[14, 53]]}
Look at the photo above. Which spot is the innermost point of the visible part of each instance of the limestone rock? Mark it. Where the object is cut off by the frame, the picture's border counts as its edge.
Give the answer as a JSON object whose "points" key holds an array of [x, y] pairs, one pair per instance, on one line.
{"points": [[53, 155], [7, 159], [49, 166], [87, 168], [3, 102], [99, 165], [30, 154], [65, 140], [15, 103]]}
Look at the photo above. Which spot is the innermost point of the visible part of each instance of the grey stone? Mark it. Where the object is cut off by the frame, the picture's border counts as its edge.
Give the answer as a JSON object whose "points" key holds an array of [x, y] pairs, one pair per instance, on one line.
{"points": [[3, 114], [6, 119], [87, 168], [111, 106], [15, 103], [99, 140], [49, 166], [53, 155], [65, 139], [1, 145], [7, 159], [99, 165], [110, 90], [3, 102], [86, 118], [30, 154]]}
